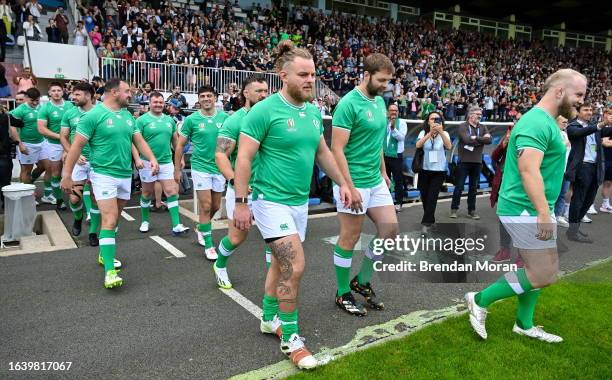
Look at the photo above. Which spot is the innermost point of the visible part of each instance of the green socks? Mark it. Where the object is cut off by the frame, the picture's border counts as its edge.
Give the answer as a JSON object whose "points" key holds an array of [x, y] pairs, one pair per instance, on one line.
{"points": [[48, 188], [268, 257], [145, 208], [107, 248], [526, 308], [225, 250], [77, 210], [269, 307], [510, 284], [87, 197], [173, 208], [289, 324], [342, 263], [205, 229], [55, 185], [94, 223], [367, 265]]}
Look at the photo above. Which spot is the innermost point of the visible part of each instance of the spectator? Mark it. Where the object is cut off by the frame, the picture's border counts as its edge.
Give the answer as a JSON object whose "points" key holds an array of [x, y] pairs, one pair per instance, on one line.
{"points": [[434, 141], [473, 136], [80, 34], [606, 189], [61, 21], [34, 8], [427, 108], [111, 8], [176, 95], [53, 33], [6, 16], [585, 168], [145, 94], [393, 150], [96, 37], [31, 29], [562, 221]]}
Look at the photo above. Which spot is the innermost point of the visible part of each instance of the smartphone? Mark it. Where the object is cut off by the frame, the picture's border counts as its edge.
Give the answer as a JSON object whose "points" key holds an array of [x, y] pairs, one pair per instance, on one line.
{"points": [[438, 120]]}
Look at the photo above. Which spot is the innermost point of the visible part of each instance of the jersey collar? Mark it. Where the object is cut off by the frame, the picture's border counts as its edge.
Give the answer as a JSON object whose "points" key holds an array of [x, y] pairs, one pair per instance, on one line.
{"points": [[289, 104], [364, 96]]}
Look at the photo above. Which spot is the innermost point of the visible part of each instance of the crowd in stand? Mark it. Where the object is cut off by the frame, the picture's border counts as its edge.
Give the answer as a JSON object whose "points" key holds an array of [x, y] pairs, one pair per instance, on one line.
{"points": [[444, 70]]}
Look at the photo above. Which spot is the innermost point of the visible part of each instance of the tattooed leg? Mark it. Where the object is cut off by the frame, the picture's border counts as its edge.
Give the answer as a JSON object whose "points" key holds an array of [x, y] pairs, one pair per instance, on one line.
{"points": [[289, 256]]}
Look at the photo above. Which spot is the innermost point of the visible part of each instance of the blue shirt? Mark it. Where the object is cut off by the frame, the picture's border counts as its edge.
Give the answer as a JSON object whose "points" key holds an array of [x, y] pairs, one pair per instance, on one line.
{"points": [[435, 149]]}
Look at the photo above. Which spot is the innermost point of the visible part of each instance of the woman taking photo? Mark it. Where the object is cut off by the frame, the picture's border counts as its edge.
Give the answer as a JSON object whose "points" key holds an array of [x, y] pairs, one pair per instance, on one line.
{"points": [[434, 141]]}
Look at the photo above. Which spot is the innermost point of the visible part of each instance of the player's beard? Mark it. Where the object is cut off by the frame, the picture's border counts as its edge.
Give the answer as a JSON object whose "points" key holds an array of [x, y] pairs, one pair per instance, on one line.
{"points": [[566, 109], [296, 93], [372, 90]]}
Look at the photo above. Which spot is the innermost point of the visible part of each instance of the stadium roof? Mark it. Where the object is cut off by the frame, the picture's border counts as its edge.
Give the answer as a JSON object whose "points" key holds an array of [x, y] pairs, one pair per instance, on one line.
{"points": [[579, 15]]}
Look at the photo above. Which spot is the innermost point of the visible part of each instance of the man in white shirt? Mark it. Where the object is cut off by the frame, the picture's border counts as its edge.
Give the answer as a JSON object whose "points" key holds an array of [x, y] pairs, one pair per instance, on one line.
{"points": [[393, 148]]}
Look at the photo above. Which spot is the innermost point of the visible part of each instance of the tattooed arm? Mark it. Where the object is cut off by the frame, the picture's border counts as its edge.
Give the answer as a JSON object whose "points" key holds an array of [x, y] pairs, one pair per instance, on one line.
{"points": [[225, 147]]}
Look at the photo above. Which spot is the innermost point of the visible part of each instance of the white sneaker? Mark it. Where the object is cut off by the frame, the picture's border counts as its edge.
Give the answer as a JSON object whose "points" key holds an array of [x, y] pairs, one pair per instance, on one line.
{"points": [[144, 227], [562, 222], [222, 278], [200, 238], [179, 229], [537, 332], [211, 253], [478, 315], [586, 219], [298, 353], [50, 199], [606, 209], [271, 327], [592, 210]]}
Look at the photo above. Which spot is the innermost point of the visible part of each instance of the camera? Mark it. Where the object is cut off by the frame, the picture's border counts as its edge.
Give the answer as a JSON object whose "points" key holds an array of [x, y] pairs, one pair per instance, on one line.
{"points": [[438, 120]]}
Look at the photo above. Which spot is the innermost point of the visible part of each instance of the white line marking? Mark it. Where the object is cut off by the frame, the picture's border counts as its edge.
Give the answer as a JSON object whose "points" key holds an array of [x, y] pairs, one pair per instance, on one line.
{"points": [[243, 301], [131, 207], [127, 216], [167, 246]]}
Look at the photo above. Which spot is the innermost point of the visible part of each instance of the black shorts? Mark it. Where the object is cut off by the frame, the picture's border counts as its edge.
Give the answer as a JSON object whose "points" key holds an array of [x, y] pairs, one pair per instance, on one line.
{"points": [[608, 172]]}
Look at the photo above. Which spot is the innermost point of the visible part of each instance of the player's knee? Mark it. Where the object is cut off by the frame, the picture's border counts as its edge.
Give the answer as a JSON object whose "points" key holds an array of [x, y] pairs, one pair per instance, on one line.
{"points": [[236, 237], [348, 239]]}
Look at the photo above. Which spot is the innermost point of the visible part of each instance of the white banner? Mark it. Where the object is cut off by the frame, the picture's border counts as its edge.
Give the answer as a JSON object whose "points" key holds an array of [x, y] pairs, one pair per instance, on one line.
{"points": [[59, 61]]}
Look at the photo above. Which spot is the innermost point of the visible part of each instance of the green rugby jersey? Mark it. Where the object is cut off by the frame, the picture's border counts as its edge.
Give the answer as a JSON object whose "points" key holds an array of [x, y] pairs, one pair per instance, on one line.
{"points": [[70, 120], [110, 135], [53, 114], [366, 120], [289, 137], [203, 131], [157, 132], [29, 116], [231, 130]]}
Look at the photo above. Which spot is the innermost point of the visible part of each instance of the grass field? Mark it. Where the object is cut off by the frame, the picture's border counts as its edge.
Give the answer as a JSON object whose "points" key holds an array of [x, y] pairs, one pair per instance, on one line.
{"points": [[579, 308]]}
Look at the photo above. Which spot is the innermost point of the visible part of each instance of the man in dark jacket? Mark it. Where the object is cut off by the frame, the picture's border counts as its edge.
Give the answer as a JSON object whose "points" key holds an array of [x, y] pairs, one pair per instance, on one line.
{"points": [[473, 136], [585, 167]]}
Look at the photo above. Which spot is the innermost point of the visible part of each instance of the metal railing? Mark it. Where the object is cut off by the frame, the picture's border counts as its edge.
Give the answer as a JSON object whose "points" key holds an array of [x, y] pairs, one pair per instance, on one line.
{"points": [[188, 77]]}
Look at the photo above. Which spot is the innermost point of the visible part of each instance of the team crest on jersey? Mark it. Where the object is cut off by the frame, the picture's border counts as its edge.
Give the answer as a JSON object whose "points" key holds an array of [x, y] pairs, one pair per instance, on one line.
{"points": [[316, 123], [168, 125], [370, 115], [219, 125], [129, 122], [76, 120], [290, 125]]}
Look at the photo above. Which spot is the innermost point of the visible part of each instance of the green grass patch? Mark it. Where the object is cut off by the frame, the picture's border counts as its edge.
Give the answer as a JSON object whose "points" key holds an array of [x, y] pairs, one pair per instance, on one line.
{"points": [[579, 308]]}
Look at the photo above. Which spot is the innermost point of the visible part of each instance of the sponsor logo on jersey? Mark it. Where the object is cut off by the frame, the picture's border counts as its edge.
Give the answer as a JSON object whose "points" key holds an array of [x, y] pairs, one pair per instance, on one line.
{"points": [[54, 113], [302, 114], [210, 120], [291, 125], [118, 116]]}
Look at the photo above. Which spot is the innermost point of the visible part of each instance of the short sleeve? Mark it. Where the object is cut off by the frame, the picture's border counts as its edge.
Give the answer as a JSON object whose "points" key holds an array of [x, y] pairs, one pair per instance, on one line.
{"points": [[186, 128], [256, 123], [344, 115], [535, 136], [43, 113], [140, 124], [229, 129], [87, 125], [65, 123], [173, 123], [17, 113]]}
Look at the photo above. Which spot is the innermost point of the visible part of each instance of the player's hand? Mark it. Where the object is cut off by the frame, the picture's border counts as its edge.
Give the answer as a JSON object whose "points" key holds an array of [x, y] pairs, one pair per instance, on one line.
{"points": [[23, 149], [177, 175], [242, 217], [182, 164], [154, 167], [139, 164], [66, 184], [386, 179], [356, 201], [82, 160], [545, 227], [345, 196]]}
